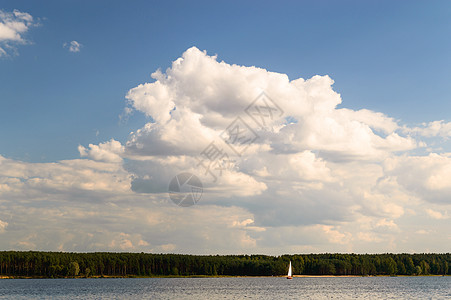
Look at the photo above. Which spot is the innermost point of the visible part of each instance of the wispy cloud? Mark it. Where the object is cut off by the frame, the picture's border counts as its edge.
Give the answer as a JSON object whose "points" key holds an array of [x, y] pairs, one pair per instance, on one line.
{"points": [[13, 26], [432, 129], [73, 46], [437, 215], [3, 225]]}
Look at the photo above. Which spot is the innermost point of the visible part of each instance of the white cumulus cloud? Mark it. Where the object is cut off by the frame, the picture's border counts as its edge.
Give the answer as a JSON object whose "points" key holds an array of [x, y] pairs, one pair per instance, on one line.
{"points": [[286, 170], [109, 151], [13, 26]]}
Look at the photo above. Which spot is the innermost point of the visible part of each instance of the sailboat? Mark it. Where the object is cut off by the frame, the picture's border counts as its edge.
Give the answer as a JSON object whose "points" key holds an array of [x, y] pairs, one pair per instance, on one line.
{"points": [[289, 272]]}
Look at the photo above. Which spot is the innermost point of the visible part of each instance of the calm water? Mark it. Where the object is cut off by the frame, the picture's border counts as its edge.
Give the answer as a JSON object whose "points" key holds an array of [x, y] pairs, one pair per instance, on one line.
{"points": [[229, 288]]}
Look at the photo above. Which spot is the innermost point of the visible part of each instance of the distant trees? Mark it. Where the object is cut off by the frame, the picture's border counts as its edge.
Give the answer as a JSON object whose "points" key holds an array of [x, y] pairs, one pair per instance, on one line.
{"points": [[424, 267], [445, 268], [400, 267], [61, 264], [418, 270], [390, 266], [409, 266], [74, 269]]}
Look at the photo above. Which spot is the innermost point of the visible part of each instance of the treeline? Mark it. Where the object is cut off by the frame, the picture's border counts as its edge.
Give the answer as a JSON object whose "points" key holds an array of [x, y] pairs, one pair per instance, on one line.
{"points": [[62, 264]]}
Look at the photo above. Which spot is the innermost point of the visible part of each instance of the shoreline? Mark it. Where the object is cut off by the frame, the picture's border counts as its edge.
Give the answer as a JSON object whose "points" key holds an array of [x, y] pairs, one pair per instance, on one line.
{"points": [[219, 276]]}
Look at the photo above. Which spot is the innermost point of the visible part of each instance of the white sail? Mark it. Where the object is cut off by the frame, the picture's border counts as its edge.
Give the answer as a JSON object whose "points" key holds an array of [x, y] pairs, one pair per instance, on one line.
{"points": [[289, 270]]}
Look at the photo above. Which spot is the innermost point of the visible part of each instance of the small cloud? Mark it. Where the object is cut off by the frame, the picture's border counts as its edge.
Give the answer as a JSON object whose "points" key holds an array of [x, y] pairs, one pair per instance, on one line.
{"points": [[143, 243], [436, 214], [123, 117], [3, 225], [109, 151], [73, 46]]}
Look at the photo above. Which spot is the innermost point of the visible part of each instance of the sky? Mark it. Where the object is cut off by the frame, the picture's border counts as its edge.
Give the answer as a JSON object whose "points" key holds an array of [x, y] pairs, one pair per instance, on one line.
{"points": [[312, 126]]}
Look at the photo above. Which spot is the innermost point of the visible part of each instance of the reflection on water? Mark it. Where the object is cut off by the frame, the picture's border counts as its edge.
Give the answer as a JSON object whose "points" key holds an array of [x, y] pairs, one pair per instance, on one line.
{"points": [[229, 288]]}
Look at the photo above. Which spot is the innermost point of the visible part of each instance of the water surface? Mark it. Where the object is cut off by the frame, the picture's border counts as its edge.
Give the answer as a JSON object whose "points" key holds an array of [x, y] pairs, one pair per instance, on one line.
{"points": [[229, 288]]}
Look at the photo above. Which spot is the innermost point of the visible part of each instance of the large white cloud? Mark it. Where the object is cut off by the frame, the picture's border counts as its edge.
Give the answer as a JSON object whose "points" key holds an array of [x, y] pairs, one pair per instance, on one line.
{"points": [[313, 151], [314, 177], [318, 164], [199, 97]]}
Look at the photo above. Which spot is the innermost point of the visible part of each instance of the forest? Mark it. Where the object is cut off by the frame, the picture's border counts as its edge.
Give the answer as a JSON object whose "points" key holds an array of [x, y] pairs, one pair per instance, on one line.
{"points": [[37, 264]]}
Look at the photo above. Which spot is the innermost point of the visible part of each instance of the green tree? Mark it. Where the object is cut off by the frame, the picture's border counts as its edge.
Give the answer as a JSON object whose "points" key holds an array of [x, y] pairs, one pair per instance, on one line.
{"points": [[401, 268], [74, 269], [424, 267], [174, 271], [418, 270], [435, 267], [390, 266], [410, 267], [325, 267], [445, 268]]}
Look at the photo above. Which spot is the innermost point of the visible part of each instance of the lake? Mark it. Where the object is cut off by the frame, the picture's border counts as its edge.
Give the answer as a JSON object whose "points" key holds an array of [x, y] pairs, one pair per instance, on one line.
{"points": [[229, 288]]}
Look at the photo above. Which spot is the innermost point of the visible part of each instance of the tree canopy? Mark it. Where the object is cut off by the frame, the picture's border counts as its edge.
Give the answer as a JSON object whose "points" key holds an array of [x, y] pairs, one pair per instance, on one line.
{"points": [[64, 264]]}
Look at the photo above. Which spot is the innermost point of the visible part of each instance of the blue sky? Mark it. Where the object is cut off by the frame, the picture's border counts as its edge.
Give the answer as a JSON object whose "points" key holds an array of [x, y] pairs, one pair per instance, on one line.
{"points": [[90, 141], [388, 56]]}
